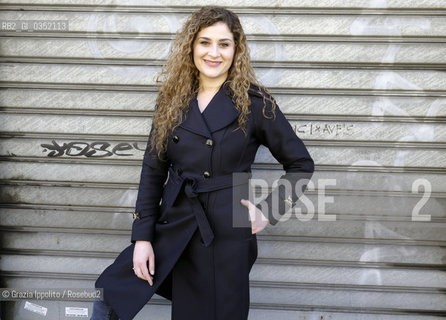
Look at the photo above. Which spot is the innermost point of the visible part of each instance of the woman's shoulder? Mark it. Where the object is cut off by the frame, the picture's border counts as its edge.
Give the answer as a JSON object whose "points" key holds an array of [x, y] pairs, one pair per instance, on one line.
{"points": [[261, 99], [257, 91]]}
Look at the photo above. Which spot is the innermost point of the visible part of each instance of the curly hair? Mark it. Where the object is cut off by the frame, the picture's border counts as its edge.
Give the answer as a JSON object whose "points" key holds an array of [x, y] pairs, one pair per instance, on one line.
{"points": [[173, 99]]}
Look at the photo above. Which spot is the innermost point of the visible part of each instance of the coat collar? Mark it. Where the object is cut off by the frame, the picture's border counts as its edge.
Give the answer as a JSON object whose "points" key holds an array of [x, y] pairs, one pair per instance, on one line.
{"points": [[218, 114]]}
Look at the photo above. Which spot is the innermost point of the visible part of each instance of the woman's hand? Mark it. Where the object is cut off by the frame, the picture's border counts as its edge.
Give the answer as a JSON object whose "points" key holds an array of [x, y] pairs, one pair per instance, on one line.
{"points": [[142, 253], [258, 220]]}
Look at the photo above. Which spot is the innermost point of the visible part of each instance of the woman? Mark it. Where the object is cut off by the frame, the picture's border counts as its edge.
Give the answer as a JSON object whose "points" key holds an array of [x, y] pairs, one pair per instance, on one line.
{"points": [[210, 119]]}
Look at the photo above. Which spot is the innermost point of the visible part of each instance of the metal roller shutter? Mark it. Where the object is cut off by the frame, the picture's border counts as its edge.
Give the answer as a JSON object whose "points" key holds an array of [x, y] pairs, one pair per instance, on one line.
{"points": [[362, 82]]}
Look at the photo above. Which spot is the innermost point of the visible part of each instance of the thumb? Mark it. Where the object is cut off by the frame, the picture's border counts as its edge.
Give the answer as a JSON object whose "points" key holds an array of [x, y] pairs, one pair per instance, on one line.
{"points": [[248, 204], [245, 202]]}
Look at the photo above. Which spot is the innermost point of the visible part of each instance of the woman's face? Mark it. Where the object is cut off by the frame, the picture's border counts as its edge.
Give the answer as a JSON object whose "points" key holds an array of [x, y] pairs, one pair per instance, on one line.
{"points": [[213, 52]]}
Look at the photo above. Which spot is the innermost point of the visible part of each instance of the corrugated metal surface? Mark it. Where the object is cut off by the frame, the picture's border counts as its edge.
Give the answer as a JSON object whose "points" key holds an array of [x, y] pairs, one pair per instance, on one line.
{"points": [[362, 82]]}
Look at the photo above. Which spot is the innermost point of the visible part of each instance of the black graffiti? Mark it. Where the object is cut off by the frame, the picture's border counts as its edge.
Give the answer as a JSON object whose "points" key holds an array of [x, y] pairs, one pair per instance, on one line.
{"points": [[97, 149]]}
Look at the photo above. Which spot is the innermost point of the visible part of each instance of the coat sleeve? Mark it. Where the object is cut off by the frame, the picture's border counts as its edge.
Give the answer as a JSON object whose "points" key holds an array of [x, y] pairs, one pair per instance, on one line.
{"points": [[275, 132], [153, 175]]}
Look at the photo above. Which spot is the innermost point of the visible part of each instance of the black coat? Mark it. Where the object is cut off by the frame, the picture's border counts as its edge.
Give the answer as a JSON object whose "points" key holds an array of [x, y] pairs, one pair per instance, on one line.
{"points": [[204, 270]]}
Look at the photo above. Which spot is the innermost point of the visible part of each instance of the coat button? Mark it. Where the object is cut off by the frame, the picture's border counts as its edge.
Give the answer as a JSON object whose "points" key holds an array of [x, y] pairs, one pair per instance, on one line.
{"points": [[209, 142], [206, 174], [136, 216], [175, 139], [165, 222]]}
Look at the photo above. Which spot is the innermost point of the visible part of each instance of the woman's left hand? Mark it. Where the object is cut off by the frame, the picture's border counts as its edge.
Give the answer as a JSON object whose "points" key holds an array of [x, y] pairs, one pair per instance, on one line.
{"points": [[258, 220]]}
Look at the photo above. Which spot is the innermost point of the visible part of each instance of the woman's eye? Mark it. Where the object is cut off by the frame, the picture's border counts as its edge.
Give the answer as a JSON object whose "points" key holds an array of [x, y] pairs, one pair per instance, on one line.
{"points": [[225, 44], [204, 42]]}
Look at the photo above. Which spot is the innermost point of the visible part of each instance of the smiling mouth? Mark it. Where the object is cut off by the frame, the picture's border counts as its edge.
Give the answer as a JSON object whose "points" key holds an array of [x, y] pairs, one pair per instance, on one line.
{"points": [[212, 63]]}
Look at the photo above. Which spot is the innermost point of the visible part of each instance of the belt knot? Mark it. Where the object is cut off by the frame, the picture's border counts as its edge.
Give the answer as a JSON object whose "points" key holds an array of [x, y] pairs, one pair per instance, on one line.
{"points": [[190, 187]]}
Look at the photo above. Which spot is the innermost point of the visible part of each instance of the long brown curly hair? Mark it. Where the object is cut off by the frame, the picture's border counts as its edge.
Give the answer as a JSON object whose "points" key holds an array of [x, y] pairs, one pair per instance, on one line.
{"points": [[179, 77]]}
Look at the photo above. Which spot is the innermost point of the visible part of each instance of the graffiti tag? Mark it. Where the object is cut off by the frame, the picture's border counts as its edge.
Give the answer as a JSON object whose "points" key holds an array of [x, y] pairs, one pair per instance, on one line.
{"points": [[97, 149], [325, 129]]}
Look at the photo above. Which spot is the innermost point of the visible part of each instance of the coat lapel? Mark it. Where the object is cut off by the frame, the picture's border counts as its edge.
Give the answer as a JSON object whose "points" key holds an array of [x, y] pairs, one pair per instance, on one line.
{"points": [[218, 114], [194, 120], [221, 110]]}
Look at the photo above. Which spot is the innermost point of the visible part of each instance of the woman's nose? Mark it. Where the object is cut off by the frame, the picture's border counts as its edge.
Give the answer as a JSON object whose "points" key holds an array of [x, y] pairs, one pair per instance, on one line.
{"points": [[214, 51]]}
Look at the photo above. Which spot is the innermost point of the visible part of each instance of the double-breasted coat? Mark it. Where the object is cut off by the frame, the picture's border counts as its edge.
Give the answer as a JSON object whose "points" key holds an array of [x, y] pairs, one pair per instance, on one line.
{"points": [[186, 206]]}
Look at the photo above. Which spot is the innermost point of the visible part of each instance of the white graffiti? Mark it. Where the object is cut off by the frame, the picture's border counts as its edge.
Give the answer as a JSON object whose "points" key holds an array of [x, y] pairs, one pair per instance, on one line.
{"points": [[270, 76], [108, 23], [382, 106]]}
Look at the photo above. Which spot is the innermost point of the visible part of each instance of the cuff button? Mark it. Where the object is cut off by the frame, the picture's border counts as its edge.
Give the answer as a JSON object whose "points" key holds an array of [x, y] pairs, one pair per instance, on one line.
{"points": [[289, 201]]}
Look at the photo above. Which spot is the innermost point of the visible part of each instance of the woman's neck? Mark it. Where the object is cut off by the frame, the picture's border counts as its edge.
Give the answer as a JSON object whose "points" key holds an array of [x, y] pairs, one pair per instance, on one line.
{"points": [[210, 85], [206, 92]]}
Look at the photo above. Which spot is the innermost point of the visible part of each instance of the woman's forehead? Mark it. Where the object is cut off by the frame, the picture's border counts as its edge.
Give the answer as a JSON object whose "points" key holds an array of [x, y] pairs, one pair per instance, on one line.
{"points": [[218, 30]]}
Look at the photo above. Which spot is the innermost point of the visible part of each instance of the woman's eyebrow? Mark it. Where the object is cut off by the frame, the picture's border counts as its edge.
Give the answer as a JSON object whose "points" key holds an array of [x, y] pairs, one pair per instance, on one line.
{"points": [[206, 38]]}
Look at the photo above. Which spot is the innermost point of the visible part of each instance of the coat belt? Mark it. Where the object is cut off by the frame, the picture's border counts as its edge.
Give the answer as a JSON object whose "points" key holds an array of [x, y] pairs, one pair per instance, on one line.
{"points": [[192, 188]]}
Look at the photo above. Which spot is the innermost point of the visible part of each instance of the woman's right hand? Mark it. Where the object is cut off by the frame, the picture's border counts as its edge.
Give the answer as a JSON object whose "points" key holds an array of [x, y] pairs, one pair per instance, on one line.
{"points": [[142, 253]]}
